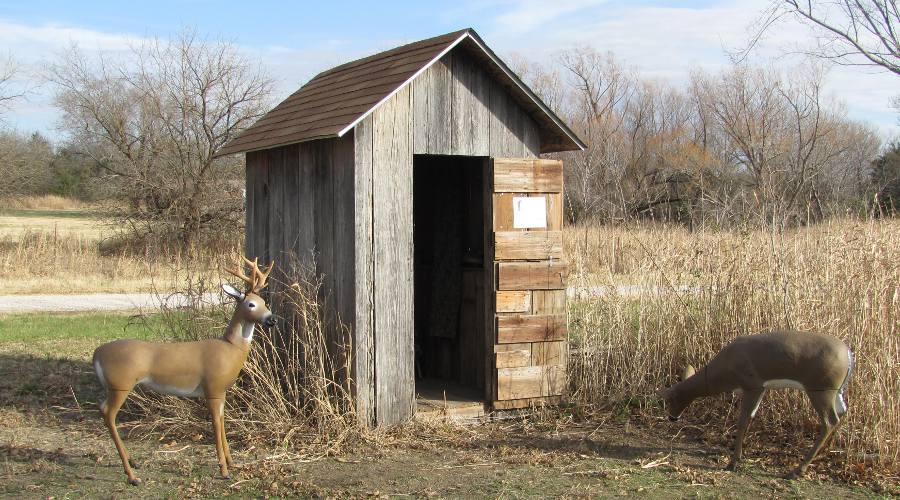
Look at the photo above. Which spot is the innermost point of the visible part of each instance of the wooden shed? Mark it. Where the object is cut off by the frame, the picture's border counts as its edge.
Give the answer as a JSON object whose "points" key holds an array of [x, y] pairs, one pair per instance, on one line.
{"points": [[411, 180]]}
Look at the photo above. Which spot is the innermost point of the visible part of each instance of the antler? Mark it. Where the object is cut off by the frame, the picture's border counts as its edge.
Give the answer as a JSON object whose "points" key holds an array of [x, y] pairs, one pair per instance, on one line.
{"points": [[257, 279]]}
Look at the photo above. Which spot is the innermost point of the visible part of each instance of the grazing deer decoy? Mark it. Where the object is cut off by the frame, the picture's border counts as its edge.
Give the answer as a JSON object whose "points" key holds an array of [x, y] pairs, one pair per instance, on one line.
{"points": [[816, 363], [204, 368]]}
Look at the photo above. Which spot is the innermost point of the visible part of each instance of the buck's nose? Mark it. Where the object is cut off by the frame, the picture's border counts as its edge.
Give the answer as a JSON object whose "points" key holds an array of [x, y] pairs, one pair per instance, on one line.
{"points": [[269, 320], [673, 419]]}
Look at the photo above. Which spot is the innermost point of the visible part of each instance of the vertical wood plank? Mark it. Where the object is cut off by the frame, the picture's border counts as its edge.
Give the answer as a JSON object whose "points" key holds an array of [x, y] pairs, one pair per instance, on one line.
{"points": [[440, 107], [344, 248], [305, 240], [364, 273], [392, 237], [490, 304]]}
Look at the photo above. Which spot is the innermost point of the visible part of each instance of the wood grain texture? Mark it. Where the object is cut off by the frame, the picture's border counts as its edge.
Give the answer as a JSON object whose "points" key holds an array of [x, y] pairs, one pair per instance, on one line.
{"points": [[512, 347], [514, 301], [531, 275], [513, 359], [548, 302], [522, 175], [518, 328], [549, 353], [393, 253], [529, 382], [364, 274], [528, 245], [516, 404]]}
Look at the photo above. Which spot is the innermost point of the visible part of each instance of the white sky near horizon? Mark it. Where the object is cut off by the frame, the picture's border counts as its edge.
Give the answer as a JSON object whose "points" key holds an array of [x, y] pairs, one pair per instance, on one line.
{"points": [[664, 40]]}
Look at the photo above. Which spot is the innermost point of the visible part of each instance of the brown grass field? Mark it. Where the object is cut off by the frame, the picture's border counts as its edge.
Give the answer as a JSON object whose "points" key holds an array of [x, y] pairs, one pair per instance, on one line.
{"points": [[694, 292]]}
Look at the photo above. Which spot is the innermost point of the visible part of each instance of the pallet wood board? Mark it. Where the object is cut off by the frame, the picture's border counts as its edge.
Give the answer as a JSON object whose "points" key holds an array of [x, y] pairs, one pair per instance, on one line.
{"points": [[530, 328], [527, 175], [549, 353], [515, 404], [548, 302], [531, 275], [513, 359], [503, 210], [528, 245], [529, 382], [514, 301]]}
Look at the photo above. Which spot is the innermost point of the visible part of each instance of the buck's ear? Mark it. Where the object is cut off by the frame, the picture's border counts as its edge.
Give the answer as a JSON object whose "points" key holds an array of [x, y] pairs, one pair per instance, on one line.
{"points": [[232, 291], [688, 372]]}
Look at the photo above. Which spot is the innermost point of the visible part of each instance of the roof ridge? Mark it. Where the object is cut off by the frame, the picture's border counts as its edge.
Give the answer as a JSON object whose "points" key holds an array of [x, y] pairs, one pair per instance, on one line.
{"points": [[453, 35]]}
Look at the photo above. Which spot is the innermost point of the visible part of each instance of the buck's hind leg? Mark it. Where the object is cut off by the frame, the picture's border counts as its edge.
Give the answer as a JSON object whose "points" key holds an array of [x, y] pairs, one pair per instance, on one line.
{"points": [[109, 409], [749, 403], [824, 403]]}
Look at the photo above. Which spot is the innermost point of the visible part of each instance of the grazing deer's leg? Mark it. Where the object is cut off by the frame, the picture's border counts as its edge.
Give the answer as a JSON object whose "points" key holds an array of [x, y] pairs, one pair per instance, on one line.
{"points": [[110, 408], [749, 403], [228, 461], [823, 402], [215, 409]]}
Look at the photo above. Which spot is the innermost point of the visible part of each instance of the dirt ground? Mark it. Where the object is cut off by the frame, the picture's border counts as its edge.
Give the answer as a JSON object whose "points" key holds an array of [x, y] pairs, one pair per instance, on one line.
{"points": [[53, 445]]}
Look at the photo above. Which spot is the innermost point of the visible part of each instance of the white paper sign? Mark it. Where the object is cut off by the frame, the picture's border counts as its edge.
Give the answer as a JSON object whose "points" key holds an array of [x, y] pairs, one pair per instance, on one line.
{"points": [[530, 212]]}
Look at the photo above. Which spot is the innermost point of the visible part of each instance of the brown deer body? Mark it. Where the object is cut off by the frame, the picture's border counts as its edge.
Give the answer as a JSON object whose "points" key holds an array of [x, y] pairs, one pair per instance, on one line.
{"points": [[816, 363], [205, 368]]}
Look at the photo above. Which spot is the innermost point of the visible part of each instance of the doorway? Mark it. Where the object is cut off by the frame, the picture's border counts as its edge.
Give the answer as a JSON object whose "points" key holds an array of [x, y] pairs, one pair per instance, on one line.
{"points": [[449, 288]]}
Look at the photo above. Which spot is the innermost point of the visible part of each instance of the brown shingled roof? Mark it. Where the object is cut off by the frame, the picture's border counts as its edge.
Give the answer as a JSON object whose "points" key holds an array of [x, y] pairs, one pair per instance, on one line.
{"points": [[336, 100]]}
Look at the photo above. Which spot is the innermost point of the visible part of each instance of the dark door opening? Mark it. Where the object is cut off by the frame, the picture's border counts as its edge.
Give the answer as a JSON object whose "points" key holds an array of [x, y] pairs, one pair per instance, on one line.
{"points": [[448, 218]]}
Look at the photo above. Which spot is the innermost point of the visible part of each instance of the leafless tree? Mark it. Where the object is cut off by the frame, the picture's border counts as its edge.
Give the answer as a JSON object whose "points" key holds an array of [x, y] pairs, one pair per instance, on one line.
{"points": [[155, 120], [851, 32], [8, 71]]}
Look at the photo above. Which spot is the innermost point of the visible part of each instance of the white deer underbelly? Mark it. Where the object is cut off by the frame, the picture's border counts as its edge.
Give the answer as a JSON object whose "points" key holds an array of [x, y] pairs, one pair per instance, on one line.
{"points": [[783, 383], [171, 390]]}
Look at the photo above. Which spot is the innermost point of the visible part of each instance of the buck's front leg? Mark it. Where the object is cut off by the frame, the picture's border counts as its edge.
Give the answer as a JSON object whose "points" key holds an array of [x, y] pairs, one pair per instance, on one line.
{"points": [[749, 404], [216, 409], [109, 409]]}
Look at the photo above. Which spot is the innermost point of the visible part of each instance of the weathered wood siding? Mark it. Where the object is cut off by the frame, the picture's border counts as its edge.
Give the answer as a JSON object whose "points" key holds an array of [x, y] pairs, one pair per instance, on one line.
{"points": [[300, 212], [453, 108]]}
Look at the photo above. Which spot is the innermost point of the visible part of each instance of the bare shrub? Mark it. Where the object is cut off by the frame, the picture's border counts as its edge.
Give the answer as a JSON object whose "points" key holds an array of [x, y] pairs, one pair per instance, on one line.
{"points": [[698, 291]]}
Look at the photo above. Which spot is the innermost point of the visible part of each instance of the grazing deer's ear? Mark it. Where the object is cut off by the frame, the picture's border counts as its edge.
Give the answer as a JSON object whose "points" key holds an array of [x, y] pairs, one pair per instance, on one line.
{"points": [[232, 291], [688, 372]]}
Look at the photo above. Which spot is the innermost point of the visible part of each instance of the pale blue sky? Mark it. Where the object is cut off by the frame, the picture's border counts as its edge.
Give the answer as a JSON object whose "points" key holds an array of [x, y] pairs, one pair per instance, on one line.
{"points": [[295, 40]]}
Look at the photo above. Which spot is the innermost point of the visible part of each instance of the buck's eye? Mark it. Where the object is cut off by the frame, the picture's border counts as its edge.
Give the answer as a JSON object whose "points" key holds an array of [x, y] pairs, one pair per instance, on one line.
{"points": [[251, 305]]}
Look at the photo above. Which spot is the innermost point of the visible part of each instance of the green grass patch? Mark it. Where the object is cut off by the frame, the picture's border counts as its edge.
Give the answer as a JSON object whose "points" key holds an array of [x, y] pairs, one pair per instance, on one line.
{"points": [[93, 326]]}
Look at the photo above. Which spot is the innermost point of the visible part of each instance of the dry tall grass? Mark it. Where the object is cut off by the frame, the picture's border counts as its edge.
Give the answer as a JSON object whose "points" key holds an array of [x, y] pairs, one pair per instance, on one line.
{"points": [[47, 262], [698, 291], [42, 202]]}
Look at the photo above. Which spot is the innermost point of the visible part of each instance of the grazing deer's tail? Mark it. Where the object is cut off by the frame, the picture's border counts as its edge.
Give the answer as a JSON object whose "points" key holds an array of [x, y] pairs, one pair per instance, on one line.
{"points": [[841, 405]]}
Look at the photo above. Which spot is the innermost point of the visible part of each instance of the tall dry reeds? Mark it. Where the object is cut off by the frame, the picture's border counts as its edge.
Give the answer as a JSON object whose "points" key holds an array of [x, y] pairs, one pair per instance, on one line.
{"points": [[697, 291]]}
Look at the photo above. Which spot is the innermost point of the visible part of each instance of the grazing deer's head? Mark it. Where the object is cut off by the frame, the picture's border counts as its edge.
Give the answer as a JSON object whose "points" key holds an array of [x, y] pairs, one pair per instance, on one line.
{"points": [[674, 404], [251, 307]]}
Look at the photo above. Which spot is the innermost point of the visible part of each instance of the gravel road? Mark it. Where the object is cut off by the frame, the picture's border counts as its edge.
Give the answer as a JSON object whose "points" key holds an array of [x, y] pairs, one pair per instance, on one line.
{"points": [[92, 302], [144, 301]]}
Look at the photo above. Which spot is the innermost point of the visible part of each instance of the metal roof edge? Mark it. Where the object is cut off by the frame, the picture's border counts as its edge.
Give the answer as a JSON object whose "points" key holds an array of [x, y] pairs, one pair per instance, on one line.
{"points": [[394, 92]]}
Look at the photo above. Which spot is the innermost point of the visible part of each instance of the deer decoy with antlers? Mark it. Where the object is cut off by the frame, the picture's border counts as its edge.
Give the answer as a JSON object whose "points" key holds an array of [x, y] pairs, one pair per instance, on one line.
{"points": [[204, 368], [815, 363]]}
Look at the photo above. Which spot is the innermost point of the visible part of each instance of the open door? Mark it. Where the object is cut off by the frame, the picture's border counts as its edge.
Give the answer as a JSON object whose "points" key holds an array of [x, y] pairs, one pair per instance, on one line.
{"points": [[529, 341]]}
